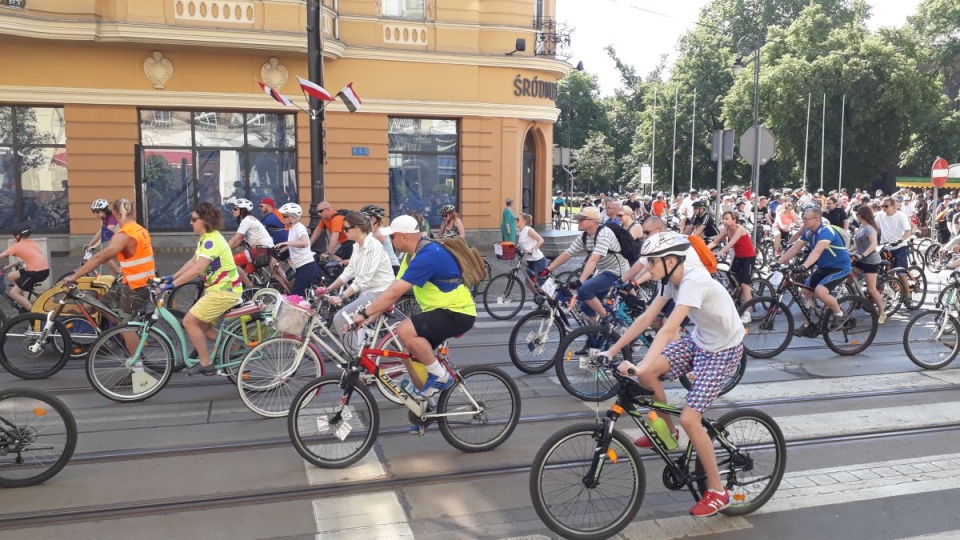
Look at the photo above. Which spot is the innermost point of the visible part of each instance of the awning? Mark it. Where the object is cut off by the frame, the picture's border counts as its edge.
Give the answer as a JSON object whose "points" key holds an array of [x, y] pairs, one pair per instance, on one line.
{"points": [[924, 182]]}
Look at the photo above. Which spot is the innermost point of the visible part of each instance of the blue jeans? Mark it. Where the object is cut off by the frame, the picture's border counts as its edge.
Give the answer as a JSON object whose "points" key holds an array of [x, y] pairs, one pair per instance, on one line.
{"points": [[901, 257], [306, 275], [597, 286], [535, 267]]}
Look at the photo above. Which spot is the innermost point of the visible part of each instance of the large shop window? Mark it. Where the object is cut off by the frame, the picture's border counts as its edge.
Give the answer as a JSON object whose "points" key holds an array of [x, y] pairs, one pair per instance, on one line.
{"points": [[424, 166], [407, 9], [33, 168], [190, 157]]}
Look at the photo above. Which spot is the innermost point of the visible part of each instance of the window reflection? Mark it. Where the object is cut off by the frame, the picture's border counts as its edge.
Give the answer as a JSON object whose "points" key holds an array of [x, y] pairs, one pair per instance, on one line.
{"points": [[423, 165]]}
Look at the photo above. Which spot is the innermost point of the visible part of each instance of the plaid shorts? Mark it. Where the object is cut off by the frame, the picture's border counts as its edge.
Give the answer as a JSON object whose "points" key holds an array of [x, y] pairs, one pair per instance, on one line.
{"points": [[710, 370]]}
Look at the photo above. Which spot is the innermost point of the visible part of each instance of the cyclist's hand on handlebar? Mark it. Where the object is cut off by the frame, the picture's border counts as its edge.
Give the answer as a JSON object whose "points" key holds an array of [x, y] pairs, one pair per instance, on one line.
{"points": [[626, 369], [166, 287], [321, 291], [69, 280], [334, 300], [544, 273], [574, 284], [166, 279]]}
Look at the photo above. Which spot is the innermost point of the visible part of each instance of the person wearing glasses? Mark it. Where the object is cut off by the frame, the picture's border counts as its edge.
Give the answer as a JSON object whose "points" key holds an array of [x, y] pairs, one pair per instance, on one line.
{"points": [[787, 219], [298, 244], [252, 231], [835, 214], [712, 350], [895, 229], [108, 226], [829, 254], [452, 224], [339, 246], [448, 307], [222, 286]]}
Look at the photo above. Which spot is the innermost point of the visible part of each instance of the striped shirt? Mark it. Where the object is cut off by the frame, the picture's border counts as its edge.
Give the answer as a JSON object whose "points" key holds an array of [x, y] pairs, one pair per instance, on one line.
{"points": [[369, 267], [606, 246]]}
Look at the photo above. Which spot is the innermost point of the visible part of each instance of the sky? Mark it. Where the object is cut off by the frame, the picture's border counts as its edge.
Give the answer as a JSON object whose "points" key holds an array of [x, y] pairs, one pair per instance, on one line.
{"points": [[643, 30]]}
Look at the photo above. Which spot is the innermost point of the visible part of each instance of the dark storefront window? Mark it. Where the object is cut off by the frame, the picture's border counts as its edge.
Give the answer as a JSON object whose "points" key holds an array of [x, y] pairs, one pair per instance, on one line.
{"points": [[190, 157], [424, 166], [33, 168]]}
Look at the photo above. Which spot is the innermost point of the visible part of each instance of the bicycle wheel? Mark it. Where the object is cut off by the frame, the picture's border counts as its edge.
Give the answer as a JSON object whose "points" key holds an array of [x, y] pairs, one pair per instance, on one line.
{"points": [[770, 330], [112, 376], [82, 335], [949, 297], [534, 341], [918, 288], [268, 296], [239, 337], [891, 290], [326, 435], [762, 287], [409, 306], [566, 277], [504, 296], [930, 339], [272, 374], [481, 411], [24, 354], [37, 437], [571, 507], [932, 257], [857, 329], [578, 367], [731, 381], [391, 367], [752, 457], [183, 298]]}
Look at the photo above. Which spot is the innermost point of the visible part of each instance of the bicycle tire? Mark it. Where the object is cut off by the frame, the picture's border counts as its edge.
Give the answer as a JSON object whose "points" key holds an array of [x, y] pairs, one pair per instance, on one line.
{"points": [[732, 467], [891, 290], [394, 369], [269, 296], [932, 339], [761, 287], [732, 381], [534, 341], [235, 346], [918, 288], [486, 429], [948, 297], [109, 374], [183, 297], [265, 385], [82, 336], [771, 333], [39, 417], [504, 297], [22, 332], [858, 329], [559, 468], [317, 401], [932, 257], [178, 363], [577, 367]]}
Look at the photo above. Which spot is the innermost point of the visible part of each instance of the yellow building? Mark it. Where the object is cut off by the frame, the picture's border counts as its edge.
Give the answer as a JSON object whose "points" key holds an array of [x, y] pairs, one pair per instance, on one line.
{"points": [[158, 101]]}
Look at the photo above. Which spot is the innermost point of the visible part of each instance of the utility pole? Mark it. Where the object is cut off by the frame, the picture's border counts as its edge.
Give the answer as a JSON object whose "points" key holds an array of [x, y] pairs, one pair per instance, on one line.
{"points": [[315, 73]]}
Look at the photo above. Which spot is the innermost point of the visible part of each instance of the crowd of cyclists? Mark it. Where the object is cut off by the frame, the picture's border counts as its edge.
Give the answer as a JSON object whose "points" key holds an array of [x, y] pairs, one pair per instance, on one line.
{"points": [[625, 243]]}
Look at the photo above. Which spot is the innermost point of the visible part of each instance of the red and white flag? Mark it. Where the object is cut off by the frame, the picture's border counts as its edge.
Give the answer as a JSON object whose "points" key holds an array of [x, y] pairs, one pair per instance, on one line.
{"points": [[314, 90], [275, 94], [350, 98]]}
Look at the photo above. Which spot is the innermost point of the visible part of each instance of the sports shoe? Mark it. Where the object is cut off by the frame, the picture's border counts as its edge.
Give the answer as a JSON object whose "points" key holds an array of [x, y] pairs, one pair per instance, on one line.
{"points": [[201, 370], [644, 442], [882, 319], [746, 318], [434, 386], [836, 321], [802, 331], [711, 503]]}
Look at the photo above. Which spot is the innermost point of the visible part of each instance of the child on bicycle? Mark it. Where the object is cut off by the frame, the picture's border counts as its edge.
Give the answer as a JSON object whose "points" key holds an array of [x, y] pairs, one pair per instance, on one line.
{"points": [[712, 351], [35, 266]]}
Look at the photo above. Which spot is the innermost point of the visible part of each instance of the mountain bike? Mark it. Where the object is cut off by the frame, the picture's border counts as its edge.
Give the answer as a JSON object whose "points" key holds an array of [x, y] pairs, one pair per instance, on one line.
{"points": [[931, 337], [334, 420], [37, 437], [505, 294], [772, 328], [587, 480], [534, 340], [119, 375]]}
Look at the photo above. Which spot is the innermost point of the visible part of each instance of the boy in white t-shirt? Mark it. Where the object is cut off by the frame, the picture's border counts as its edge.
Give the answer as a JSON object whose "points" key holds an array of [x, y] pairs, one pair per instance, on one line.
{"points": [[712, 351]]}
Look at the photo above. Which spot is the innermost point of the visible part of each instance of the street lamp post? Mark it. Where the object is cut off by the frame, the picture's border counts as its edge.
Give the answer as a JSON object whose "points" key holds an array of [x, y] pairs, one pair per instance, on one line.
{"points": [[745, 46], [315, 72]]}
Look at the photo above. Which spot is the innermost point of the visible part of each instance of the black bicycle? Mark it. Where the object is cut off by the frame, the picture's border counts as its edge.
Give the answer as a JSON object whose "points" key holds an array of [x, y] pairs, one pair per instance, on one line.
{"points": [[588, 481], [37, 437]]}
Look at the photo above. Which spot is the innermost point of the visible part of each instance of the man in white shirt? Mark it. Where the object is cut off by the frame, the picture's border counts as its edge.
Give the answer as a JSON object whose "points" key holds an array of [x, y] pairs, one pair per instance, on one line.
{"points": [[686, 209], [895, 229]]}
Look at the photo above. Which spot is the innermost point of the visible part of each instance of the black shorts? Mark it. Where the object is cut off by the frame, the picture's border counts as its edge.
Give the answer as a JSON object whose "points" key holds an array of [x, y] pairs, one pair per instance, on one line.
{"points": [[29, 280], [440, 325], [345, 251], [867, 267], [828, 277], [742, 269]]}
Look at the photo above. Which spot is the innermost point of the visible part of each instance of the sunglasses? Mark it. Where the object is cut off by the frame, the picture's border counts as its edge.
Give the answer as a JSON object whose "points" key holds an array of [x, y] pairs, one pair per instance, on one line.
{"points": [[192, 219], [621, 215], [885, 206], [347, 228], [517, 220]]}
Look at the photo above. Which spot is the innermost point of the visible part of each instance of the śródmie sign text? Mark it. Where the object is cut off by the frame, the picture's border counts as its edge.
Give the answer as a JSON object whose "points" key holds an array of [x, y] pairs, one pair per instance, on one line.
{"points": [[534, 88]]}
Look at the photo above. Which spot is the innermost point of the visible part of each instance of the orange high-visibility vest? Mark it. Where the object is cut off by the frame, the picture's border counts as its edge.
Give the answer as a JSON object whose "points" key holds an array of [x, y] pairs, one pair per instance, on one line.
{"points": [[139, 267]]}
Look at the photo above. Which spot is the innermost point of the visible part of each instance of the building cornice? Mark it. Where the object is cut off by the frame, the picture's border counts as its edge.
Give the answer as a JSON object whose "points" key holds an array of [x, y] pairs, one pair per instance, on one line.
{"points": [[221, 101]]}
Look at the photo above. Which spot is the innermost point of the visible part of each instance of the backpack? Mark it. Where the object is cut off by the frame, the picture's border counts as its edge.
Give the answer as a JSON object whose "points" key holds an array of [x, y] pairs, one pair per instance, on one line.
{"points": [[472, 268], [629, 246], [707, 257], [844, 235]]}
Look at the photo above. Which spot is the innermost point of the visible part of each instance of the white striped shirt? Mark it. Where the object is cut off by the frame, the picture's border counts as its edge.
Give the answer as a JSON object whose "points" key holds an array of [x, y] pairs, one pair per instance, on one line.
{"points": [[369, 267]]}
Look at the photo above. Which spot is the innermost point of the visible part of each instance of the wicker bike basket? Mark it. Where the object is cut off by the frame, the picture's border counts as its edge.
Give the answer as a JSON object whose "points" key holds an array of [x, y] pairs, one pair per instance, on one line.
{"points": [[291, 318]]}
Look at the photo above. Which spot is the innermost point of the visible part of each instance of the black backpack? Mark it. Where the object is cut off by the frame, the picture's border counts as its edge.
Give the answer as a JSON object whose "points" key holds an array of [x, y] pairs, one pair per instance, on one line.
{"points": [[629, 246]]}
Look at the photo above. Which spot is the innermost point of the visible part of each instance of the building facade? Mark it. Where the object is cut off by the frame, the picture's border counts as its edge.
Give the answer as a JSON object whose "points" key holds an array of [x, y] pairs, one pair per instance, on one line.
{"points": [[158, 101]]}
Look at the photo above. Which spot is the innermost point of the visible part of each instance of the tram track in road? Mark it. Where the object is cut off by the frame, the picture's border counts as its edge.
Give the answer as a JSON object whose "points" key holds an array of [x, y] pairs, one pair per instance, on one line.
{"points": [[134, 454], [135, 509]]}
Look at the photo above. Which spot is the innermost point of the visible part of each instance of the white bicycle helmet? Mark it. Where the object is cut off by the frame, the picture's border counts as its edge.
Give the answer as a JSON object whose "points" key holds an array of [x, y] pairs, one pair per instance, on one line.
{"points": [[292, 209], [100, 205], [663, 244], [243, 204]]}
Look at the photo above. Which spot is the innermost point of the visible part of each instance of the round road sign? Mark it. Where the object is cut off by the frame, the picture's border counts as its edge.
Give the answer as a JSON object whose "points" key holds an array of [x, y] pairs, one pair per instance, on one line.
{"points": [[938, 173]]}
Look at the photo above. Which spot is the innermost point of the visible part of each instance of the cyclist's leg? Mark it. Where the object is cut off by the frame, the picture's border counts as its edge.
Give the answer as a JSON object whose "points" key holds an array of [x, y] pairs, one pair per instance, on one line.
{"points": [[199, 321], [424, 332], [676, 360], [340, 324], [128, 303], [306, 275], [591, 290], [26, 282], [826, 284]]}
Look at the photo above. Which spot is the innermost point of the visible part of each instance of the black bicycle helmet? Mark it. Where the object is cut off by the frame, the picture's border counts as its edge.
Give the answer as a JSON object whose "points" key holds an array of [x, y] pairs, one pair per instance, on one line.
{"points": [[373, 210], [22, 230]]}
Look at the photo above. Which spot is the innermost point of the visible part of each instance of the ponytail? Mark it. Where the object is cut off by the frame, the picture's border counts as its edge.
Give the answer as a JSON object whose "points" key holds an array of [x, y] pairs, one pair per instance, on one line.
{"points": [[122, 208]]}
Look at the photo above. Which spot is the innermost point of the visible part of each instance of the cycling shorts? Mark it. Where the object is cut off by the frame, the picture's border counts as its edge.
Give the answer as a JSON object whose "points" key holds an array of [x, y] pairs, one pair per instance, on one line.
{"points": [[742, 268], [710, 369], [440, 325], [828, 277], [127, 302], [28, 280]]}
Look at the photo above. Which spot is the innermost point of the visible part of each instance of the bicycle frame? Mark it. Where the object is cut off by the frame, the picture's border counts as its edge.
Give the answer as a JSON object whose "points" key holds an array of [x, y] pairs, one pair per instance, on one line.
{"points": [[815, 317]]}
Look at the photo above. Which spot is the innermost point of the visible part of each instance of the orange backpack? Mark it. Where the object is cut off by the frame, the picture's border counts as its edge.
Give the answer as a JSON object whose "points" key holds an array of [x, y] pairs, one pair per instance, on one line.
{"points": [[707, 257]]}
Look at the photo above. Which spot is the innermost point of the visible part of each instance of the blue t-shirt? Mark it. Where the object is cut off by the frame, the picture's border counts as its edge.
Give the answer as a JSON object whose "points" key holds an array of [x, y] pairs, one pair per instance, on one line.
{"points": [[835, 256], [773, 207], [435, 264], [275, 227]]}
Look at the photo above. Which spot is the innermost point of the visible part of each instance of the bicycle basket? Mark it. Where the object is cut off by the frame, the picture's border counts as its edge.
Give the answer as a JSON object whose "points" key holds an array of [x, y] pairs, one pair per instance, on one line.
{"points": [[291, 318], [261, 257]]}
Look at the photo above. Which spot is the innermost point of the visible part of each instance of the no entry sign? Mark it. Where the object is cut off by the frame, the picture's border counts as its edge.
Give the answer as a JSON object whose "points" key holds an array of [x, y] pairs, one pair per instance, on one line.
{"points": [[938, 174]]}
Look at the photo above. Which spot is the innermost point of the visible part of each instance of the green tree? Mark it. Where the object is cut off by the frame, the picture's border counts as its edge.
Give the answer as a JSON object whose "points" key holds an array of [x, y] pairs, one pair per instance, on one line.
{"points": [[594, 164], [935, 25], [580, 110]]}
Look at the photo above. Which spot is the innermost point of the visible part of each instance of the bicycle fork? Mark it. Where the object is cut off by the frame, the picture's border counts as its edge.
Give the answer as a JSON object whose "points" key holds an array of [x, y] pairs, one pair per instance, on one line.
{"points": [[603, 452], [37, 346]]}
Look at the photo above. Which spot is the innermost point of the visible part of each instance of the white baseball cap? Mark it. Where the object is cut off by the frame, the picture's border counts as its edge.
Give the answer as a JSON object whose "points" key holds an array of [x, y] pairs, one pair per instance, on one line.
{"points": [[404, 224]]}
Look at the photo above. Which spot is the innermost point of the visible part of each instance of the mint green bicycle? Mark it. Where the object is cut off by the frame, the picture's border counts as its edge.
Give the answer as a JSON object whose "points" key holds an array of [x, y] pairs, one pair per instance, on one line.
{"points": [[118, 375]]}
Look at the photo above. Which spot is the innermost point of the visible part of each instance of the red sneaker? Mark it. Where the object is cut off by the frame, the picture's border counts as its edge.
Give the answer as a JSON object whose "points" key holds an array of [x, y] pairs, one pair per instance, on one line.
{"points": [[644, 442], [711, 503]]}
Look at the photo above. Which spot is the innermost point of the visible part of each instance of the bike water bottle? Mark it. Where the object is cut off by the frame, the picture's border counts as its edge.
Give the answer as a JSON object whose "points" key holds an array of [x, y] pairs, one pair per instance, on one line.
{"points": [[660, 427]]}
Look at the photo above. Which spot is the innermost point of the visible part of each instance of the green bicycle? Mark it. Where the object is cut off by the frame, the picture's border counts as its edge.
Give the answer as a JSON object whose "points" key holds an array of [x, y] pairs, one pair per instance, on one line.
{"points": [[118, 375]]}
